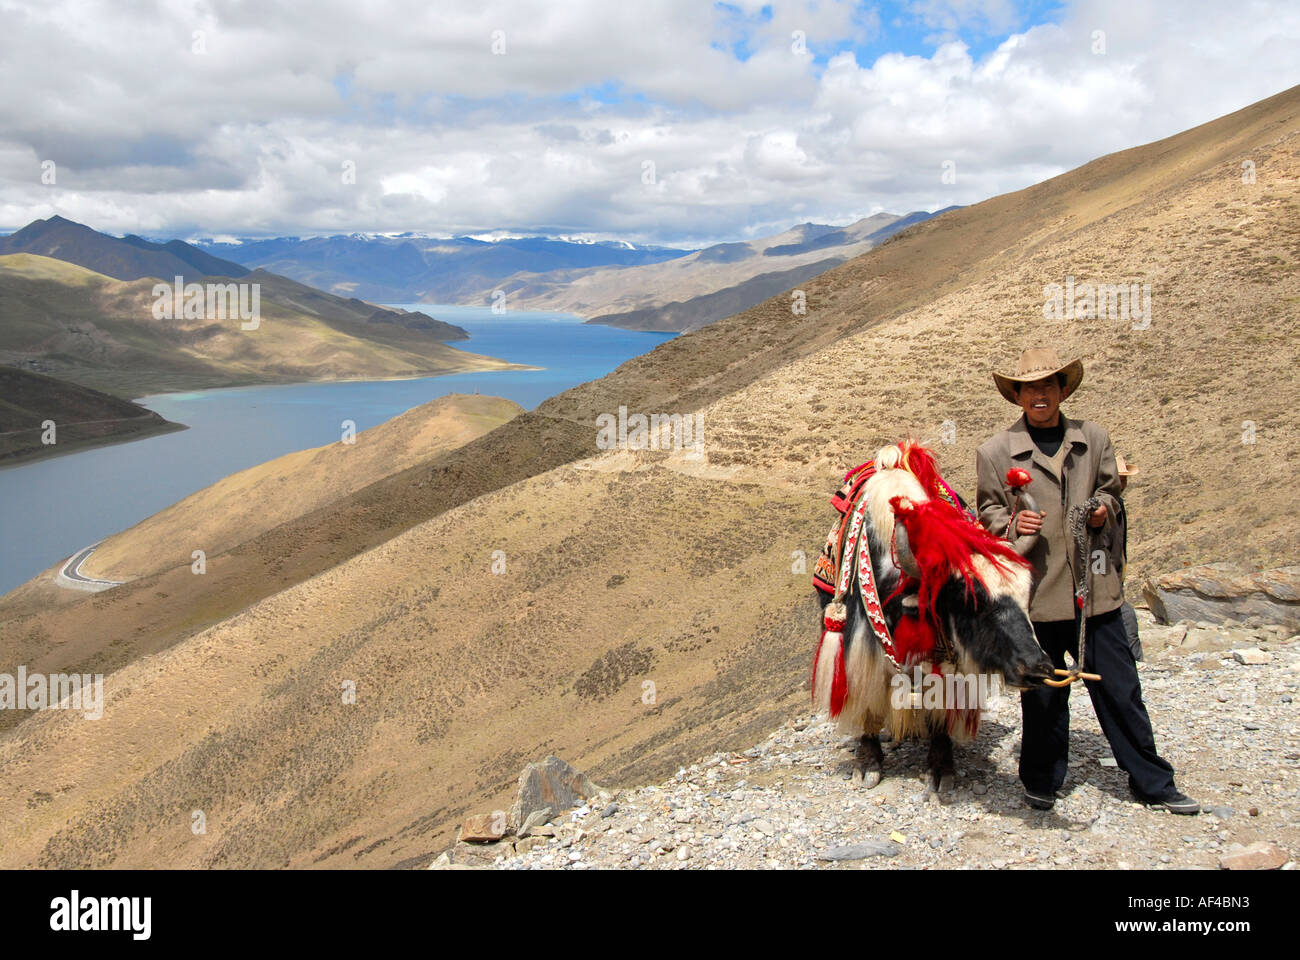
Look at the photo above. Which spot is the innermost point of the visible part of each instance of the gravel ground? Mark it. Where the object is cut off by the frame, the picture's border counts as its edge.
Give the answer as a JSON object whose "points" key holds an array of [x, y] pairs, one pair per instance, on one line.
{"points": [[1231, 731]]}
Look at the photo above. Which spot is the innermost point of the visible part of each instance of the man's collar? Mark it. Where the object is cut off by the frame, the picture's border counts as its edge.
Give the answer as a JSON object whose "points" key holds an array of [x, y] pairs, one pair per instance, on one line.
{"points": [[1022, 442]]}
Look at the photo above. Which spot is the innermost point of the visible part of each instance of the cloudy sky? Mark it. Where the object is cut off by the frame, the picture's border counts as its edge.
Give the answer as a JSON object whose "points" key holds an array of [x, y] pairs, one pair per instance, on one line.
{"points": [[676, 121]]}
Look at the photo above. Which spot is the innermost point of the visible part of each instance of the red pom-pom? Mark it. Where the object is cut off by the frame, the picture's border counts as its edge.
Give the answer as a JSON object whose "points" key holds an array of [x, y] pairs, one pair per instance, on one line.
{"points": [[1018, 477]]}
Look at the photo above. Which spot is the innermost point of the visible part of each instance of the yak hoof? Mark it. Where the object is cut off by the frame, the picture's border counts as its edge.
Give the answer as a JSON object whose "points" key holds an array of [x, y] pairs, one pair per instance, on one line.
{"points": [[939, 782]]}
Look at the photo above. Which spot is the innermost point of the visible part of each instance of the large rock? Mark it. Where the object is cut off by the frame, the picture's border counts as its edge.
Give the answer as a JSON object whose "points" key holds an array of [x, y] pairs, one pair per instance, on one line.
{"points": [[1256, 856], [1184, 638], [551, 783], [1223, 592]]}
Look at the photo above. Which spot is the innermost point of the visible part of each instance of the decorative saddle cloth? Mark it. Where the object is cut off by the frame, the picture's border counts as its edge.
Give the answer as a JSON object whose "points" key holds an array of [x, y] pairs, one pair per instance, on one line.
{"points": [[845, 500]]}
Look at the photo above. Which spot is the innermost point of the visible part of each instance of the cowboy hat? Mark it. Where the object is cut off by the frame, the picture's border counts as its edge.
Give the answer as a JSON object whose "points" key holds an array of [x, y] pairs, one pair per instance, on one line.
{"points": [[1124, 469], [1035, 364]]}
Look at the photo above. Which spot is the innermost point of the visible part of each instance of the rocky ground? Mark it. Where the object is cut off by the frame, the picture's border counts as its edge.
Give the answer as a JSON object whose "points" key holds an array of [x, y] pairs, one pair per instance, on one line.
{"points": [[1230, 728]]}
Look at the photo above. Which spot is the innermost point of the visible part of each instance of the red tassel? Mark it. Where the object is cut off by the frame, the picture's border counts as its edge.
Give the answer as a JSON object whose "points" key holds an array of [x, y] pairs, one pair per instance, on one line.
{"points": [[835, 618], [839, 683]]}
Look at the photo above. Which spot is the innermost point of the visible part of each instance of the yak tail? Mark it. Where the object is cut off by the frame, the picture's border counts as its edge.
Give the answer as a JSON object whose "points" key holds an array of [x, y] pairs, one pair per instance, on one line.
{"points": [[829, 680]]}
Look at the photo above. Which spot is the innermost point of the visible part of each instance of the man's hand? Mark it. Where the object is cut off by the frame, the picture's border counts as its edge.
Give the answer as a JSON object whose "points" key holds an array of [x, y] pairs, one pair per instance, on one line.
{"points": [[1027, 522], [1097, 517]]}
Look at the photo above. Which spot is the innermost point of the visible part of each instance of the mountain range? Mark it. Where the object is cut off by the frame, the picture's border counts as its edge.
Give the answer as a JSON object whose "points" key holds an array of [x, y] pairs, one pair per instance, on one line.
{"points": [[620, 284], [412, 269]]}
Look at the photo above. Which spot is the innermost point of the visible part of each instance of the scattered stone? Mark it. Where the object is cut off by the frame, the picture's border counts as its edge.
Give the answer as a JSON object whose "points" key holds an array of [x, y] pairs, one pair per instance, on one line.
{"points": [[861, 851], [1230, 733], [1252, 656]]}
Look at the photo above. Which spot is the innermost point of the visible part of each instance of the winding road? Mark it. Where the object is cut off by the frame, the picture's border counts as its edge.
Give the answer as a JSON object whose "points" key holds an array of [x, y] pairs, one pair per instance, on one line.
{"points": [[70, 575]]}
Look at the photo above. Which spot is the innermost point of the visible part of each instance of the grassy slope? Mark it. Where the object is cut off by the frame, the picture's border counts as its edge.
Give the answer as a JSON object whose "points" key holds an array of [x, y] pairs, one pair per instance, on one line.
{"points": [[627, 568]]}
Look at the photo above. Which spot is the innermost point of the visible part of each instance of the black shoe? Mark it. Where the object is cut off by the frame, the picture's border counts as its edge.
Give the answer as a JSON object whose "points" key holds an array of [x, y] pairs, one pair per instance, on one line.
{"points": [[1175, 803], [1040, 801]]}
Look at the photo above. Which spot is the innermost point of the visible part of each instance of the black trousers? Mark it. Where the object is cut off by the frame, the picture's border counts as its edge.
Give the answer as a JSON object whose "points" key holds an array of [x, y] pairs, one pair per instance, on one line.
{"points": [[1117, 699]]}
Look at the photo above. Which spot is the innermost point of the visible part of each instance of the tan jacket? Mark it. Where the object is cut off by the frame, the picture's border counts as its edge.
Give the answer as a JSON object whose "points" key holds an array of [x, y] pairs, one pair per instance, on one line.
{"points": [[1089, 469]]}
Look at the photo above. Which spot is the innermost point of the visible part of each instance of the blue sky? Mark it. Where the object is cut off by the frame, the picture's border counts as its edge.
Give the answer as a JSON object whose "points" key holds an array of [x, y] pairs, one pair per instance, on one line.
{"points": [[663, 121], [908, 28]]}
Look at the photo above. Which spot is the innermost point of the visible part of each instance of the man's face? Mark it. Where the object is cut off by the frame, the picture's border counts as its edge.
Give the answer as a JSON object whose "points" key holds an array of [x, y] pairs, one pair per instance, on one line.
{"points": [[1041, 401]]}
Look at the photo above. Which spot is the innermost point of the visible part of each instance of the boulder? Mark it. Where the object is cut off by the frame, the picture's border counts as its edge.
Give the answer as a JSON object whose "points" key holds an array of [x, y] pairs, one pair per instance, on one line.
{"points": [[1226, 593], [1257, 856], [551, 783]]}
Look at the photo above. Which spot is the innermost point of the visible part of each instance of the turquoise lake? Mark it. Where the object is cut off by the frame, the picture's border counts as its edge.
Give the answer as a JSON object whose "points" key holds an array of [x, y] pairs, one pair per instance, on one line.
{"points": [[52, 508]]}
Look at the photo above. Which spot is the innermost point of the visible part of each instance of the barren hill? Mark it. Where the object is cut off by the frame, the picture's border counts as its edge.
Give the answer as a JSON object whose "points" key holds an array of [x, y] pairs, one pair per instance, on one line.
{"points": [[651, 608], [81, 416]]}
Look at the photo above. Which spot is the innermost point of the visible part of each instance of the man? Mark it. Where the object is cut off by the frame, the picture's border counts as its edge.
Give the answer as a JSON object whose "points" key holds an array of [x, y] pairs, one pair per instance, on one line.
{"points": [[1070, 462]]}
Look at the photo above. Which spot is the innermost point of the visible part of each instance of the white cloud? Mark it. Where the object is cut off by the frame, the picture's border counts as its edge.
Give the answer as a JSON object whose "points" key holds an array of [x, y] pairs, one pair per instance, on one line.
{"points": [[250, 136]]}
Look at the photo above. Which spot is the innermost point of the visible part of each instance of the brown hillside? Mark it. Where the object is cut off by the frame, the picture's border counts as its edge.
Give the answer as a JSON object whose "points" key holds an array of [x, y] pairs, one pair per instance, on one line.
{"points": [[82, 417], [625, 568]]}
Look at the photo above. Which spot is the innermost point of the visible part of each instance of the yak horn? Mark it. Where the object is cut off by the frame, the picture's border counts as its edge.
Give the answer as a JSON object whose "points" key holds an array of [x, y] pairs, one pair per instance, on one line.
{"points": [[903, 550]]}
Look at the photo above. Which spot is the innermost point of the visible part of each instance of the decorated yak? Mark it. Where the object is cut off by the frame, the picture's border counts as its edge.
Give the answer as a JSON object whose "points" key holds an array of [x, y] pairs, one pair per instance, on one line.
{"points": [[921, 608]]}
